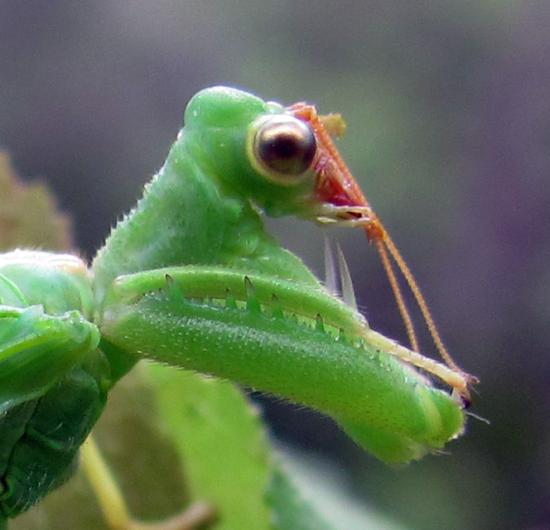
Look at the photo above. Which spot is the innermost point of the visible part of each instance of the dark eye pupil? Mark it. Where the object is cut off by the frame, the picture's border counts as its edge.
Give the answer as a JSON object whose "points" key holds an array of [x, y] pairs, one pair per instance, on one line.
{"points": [[286, 145], [283, 146]]}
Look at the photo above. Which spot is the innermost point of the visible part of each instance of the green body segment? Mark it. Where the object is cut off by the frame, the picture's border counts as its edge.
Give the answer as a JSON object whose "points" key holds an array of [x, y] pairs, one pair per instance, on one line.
{"points": [[53, 380], [190, 277]]}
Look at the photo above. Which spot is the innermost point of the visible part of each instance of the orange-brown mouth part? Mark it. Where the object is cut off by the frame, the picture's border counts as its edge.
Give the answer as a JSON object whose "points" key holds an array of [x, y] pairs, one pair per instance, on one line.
{"points": [[335, 185]]}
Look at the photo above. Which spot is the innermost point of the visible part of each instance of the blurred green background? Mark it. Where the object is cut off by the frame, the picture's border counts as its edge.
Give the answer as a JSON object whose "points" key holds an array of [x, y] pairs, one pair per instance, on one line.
{"points": [[448, 111]]}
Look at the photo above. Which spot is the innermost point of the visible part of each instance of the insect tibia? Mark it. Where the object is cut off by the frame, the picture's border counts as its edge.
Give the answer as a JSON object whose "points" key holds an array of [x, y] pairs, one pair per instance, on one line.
{"points": [[233, 290], [336, 366]]}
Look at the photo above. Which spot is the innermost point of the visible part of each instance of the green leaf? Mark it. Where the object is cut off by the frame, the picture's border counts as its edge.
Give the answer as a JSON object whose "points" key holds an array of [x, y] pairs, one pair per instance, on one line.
{"points": [[221, 442], [290, 511], [310, 493], [226, 456]]}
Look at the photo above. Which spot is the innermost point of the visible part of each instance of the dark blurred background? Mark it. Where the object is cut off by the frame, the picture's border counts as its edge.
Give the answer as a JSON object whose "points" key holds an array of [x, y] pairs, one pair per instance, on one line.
{"points": [[448, 110]]}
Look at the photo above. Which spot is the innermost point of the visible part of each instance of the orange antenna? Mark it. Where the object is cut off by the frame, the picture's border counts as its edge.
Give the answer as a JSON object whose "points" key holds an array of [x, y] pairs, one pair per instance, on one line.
{"points": [[388, 243], [345, 205], [394, 284]]}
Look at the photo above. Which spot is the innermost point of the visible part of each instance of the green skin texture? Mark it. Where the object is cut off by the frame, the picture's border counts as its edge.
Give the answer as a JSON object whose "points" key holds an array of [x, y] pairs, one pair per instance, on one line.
{"points": [[190, 278]]}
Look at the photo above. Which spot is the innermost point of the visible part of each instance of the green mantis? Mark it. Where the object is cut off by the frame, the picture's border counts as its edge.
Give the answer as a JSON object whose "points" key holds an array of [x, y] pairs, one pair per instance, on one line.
{"points": [[191, 278]]}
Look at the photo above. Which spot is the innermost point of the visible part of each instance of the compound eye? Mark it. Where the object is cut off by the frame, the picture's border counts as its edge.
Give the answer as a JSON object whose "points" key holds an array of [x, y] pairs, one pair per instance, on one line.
{"points": [[284, 147]]}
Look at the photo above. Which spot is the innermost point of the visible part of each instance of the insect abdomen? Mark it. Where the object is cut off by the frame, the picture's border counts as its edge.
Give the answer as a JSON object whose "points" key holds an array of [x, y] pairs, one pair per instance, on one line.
{"points": [[39, 439]]}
